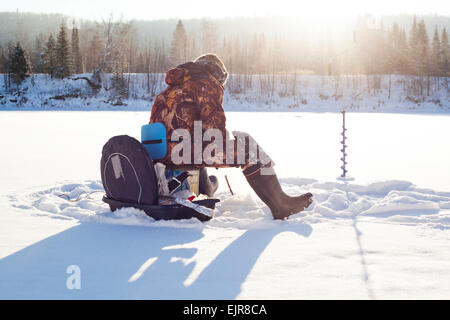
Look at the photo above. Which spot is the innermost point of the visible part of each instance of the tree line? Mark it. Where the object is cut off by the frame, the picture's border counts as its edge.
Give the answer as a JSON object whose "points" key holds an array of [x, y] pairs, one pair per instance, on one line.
{"points": [[114, 47]]}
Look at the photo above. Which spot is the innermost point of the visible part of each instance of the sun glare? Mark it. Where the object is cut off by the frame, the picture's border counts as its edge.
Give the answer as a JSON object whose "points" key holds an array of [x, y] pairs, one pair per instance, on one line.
{"points": [[317, 10]]}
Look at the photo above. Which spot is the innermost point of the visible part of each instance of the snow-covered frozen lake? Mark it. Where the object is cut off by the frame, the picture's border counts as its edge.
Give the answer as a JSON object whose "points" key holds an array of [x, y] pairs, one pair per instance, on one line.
{"points": [[44, 147], [384, 235]]}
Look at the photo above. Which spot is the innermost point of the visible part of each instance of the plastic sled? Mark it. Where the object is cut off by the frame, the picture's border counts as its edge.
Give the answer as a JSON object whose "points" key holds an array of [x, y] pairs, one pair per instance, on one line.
{"points": [[166, 212]]}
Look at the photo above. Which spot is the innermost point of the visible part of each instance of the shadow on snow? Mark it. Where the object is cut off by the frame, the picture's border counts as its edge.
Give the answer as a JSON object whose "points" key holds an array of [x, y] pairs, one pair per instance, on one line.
{"points": [[109, 256]]}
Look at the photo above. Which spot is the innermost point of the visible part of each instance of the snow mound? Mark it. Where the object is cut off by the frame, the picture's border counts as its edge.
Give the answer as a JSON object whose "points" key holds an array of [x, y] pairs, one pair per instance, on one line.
{"points": [[393, 201]]}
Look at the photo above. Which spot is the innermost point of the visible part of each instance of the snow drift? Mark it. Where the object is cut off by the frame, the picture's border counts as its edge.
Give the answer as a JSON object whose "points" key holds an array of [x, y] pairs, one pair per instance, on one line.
{"points": [[393, 201]]}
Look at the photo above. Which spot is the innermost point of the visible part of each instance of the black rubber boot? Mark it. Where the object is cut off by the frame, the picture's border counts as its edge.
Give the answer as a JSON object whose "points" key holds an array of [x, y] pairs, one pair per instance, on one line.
{"points": [[207, 184], [269, 191]]}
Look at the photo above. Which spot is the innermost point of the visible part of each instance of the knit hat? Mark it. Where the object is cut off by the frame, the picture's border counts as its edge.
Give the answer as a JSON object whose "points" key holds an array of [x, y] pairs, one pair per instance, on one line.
{"points": [[213, 65]]}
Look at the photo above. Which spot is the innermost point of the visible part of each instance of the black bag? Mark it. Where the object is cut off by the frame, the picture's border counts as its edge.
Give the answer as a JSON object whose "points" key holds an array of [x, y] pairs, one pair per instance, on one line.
{"points": [[129, 180], [127, 171]]}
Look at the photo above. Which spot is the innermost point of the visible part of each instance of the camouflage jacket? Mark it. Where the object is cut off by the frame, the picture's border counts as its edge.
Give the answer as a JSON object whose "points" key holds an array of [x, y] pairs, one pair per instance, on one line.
{"points": [[192, 94]]}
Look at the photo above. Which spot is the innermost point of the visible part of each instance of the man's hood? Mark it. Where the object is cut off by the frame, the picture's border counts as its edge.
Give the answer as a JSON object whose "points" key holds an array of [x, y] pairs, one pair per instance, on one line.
{"points": [[187, 71], [175, 76]]}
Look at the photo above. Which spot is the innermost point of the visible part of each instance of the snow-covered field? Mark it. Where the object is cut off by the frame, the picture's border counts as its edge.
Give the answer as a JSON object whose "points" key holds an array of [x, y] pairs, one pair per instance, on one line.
{"points": [[385, 235]]}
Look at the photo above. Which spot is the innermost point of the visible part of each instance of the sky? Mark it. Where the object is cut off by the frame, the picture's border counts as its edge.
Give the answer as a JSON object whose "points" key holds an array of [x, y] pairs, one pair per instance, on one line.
{"points": [[160, 9]]}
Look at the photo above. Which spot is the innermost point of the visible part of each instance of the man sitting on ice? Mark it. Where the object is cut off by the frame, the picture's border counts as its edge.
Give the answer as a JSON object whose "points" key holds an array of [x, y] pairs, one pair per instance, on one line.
{"points": [[192, 102]]}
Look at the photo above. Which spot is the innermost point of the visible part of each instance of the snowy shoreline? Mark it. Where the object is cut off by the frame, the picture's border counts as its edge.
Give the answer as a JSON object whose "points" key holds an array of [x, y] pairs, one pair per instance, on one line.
{"points": [[304, 93]]}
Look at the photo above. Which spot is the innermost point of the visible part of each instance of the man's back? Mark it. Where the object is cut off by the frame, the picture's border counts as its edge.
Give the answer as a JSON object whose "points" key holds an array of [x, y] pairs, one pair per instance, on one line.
{"points": [[193, 94]]}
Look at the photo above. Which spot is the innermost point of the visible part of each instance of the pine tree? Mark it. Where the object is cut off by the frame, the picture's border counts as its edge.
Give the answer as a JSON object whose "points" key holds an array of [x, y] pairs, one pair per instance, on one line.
{"points": [[77, 63], [414, 36], [36, 53], [19, 67], [423, 45], [391, 46], [48, 57], [179, 45], [435, 58], [95, 52], [63, 54], [394, 54], [120, 61], [445, 54], [403, 57], [398, 45], [413, 45]]}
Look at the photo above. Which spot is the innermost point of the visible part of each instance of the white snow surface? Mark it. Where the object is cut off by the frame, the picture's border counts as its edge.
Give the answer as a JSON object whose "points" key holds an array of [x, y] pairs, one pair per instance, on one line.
{"points": [[377, 237]]}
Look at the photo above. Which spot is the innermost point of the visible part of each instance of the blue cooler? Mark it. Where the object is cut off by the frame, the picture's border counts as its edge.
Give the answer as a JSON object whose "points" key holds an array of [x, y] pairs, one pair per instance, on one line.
{"points": [[153, 137]]}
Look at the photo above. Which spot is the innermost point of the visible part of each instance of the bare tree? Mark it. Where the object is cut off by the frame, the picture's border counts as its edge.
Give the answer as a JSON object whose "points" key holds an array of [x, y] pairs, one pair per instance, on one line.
{"points": [[115, 35]]}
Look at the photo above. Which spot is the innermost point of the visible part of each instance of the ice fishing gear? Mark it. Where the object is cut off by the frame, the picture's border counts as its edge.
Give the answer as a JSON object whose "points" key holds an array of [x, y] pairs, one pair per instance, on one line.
{"points": [[228, 184], [343, 176], [130, 180], [344, 146], [153, 137], [171, 211], [175, 182]]}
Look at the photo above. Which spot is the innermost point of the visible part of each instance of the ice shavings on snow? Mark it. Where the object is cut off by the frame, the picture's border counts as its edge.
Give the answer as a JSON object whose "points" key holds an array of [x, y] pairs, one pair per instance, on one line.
{"points": [[393, 201]]}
